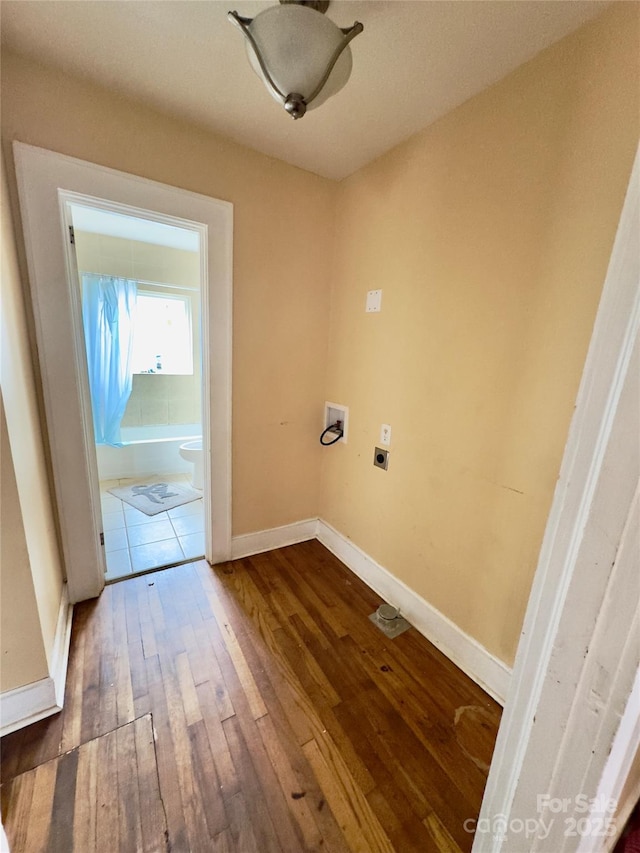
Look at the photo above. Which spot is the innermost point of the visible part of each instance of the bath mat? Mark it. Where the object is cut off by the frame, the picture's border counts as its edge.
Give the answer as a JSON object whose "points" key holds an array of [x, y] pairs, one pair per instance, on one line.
{"points": [[155, 495]]}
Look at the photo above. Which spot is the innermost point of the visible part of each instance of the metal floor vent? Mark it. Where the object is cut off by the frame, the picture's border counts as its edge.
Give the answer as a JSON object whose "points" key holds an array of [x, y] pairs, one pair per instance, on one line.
{"points": [[389, 620]]}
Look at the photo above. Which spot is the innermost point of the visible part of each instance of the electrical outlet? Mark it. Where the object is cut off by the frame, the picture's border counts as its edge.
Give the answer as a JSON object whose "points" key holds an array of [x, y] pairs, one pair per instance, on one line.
{"points": [[385, 435], [374, 301], [381, 458]]}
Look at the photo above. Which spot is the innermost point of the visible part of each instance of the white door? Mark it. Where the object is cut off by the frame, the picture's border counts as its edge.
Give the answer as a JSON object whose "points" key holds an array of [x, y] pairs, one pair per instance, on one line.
{"points": [[45, 182]]}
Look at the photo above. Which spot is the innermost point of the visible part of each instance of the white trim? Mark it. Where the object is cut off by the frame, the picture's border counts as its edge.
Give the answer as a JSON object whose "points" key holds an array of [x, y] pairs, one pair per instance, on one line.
{"points": [[473, 659], [277, 537], [32, 702], [61, 646], [41, 174], [623, 752], [4, 841], [553, 622], [28, 704]]}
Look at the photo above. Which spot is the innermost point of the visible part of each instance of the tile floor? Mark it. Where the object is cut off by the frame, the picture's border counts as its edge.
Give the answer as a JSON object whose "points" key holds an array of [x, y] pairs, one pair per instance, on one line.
{"points": [[135, 542]]}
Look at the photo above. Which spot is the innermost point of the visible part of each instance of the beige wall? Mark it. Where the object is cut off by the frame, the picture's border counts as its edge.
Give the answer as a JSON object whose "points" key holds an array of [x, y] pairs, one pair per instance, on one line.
{"points": [[23, 656], [155, 399], [489, 233], [282, 239], [101, 253], [31, 572]]}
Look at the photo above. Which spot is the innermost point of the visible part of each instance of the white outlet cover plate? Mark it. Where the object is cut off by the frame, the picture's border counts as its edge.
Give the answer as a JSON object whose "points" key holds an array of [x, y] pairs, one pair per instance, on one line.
{"points": [[374, 301], [385, 435]]}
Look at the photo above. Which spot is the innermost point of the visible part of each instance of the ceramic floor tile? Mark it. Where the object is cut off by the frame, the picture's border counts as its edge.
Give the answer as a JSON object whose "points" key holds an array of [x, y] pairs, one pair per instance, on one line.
{"points": [[118, 564], [192, 545], [134, 517], [156, 554], [110, 504], [112, 520], [191, 508], [175, 478], [186, 524], [115, 540], [105, 485], [142, 534]]}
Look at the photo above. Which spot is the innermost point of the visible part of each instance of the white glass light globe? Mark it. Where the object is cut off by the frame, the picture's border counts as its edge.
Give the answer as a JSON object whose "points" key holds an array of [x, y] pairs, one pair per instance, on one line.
{"points": [[296, 44]]}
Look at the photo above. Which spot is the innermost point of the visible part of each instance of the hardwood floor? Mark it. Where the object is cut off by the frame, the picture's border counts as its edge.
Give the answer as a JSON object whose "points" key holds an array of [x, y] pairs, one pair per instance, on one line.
{"points": [[88, 798], [284, 719]]}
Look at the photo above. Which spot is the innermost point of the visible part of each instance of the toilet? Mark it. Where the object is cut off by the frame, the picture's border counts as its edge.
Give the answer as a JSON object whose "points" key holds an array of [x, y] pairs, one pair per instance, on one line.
{"points": [[192, 452]]}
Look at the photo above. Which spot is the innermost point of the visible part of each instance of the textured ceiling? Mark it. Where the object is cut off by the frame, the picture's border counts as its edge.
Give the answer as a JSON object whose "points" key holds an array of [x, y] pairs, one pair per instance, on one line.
{"points": [[414, 62]]}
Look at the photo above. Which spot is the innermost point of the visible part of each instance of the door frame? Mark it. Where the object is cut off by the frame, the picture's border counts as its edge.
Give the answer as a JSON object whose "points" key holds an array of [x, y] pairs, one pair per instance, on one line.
{"points": [[577, 658], [42, 175], [67, 199]]}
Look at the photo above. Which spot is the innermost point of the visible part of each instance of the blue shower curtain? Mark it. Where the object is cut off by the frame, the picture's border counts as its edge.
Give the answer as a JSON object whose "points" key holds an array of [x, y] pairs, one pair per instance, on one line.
{"points": [[108, 314]]}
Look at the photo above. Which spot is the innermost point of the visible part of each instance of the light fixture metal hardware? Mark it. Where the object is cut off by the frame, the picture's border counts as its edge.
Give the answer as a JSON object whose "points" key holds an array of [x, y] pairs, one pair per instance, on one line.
{"points": [[350, 33], [243, 24], [294, 103], [317, 5]]}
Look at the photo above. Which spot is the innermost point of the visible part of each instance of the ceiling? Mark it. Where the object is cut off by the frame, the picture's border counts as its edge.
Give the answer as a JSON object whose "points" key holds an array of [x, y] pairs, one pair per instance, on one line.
{"points": [[413, 63], [94, 220]]}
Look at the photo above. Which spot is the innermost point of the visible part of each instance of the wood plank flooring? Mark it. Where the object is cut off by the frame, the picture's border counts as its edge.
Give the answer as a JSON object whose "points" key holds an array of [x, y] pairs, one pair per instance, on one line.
{"points": [[284, 720], [90, 798]]}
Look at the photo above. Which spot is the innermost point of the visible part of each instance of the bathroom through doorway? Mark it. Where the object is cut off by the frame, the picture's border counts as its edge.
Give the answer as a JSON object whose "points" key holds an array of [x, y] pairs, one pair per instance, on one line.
{"points": [[140, 292]]}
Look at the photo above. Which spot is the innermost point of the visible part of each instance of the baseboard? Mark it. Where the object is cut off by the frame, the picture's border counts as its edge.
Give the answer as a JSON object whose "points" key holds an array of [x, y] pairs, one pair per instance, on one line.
{"points": [[61, 646], [473, 659], [27, 704], [32, 702], [276, 537]]}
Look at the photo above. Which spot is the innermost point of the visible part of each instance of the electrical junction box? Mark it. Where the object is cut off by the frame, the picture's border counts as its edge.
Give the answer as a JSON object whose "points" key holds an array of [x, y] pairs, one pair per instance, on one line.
{"points": [[334, 412]]}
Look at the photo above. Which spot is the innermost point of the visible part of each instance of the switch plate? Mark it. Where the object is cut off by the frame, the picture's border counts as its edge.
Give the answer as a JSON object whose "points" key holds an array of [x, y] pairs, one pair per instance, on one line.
{"points": [[374, 301], [381, 458], [385, 435]]}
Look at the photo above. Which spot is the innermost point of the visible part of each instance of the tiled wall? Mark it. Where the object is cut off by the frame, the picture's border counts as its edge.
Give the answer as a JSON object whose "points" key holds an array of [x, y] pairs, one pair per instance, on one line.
{"points": [[155, 399], [163, 400]]}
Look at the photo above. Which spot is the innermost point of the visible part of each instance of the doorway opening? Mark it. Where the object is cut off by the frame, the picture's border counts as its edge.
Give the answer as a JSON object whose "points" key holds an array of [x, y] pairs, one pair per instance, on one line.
{"points": [[140, 290], [47, 181]]}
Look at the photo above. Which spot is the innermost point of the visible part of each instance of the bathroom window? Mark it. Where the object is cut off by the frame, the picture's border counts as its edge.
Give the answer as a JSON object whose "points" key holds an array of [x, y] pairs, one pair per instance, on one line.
{"points": [[162, 340]]}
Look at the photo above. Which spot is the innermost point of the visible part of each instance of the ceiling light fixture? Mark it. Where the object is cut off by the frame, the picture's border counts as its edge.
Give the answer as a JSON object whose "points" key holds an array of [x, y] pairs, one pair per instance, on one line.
{"points": [[302, 57]]}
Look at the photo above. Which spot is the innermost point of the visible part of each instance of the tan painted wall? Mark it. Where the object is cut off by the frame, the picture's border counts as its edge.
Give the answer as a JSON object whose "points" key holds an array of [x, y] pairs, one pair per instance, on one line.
{"points": [[23, 657], [31, 572], [155, 399], [489, 233], [282, 237]]}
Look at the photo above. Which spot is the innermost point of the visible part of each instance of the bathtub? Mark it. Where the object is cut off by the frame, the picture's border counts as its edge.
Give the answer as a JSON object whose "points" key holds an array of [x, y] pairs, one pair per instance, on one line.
{"points": [[147, 450]]}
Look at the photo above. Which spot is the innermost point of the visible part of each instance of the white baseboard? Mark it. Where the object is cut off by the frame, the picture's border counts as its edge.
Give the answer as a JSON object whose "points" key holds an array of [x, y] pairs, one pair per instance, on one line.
{"points": [[61, 646], [32, 702], [473, 659], [27, 704], [276, 537]]}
